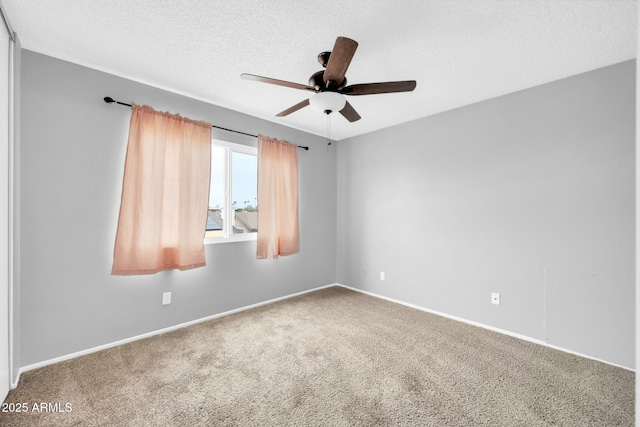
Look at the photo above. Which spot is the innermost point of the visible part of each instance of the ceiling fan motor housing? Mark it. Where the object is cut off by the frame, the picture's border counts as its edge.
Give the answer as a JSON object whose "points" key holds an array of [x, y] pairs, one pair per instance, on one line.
{"points": [[316, 81]]}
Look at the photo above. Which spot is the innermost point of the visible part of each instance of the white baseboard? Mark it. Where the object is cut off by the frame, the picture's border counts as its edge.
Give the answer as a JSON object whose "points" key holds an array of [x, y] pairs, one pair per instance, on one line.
{"points": [[153, 333], [481, 325], [271, 301]]}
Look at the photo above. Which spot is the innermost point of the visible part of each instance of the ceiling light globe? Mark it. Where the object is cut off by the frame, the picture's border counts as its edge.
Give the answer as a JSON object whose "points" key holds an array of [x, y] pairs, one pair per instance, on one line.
{"points": [[327, 102]]}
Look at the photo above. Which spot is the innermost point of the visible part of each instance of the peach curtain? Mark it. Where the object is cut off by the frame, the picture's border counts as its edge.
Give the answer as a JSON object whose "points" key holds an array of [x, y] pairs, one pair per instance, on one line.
{"points": [[163, 211], [278, 232]]}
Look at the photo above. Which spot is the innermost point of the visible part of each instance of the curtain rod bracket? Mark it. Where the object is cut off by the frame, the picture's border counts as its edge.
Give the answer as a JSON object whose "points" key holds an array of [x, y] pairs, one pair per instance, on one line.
{"points": [[110, 100]]}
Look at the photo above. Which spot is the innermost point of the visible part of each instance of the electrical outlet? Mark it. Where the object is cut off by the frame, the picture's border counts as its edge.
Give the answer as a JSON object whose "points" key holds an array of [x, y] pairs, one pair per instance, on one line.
{"points": [[495, 298], [382, 275], [166, 298]]}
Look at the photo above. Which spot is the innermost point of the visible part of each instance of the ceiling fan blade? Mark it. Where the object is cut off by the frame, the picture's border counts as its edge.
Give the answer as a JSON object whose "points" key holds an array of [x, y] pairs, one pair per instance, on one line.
{"points": [[375, 88], [339, 61], [296, 107], [277, 82], [349, 113]]}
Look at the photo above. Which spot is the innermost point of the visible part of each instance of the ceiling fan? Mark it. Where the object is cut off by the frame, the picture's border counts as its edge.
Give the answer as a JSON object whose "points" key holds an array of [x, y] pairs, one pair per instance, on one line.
{"points": [[330, 84]]}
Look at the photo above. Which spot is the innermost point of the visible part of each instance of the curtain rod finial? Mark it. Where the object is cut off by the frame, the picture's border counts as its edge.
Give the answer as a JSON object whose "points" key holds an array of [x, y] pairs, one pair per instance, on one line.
{"points": [[109, 100]]}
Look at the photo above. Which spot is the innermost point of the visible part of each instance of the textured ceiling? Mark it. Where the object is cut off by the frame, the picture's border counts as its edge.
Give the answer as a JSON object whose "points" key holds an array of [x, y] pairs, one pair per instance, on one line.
{"points": [[460, 52]]}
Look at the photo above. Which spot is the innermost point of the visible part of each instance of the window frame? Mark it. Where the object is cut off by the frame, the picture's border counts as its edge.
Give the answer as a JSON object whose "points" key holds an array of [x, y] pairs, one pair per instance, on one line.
{"points": [[227, 216]]}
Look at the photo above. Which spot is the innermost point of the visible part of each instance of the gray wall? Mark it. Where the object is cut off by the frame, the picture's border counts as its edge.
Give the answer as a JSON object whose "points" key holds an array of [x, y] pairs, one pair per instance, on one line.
{"points": [[72, 160], [530, 195]]}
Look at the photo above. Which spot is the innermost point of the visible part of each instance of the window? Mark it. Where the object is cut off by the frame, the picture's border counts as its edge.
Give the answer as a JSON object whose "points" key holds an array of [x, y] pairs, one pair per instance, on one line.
{"points": [[233, 193]]}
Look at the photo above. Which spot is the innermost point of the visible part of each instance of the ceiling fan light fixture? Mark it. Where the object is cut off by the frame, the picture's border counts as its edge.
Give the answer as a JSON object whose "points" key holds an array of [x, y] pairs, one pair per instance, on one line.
{"points": [[327, 102]]}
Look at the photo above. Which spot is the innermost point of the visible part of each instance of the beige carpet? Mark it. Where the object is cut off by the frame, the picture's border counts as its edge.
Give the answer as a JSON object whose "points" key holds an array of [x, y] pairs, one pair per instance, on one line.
{"points": [[329, 358]]}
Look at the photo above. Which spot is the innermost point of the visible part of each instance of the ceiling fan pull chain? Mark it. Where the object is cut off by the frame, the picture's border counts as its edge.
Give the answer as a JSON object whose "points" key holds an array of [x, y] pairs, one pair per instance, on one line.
{"points": [[328, 131]]}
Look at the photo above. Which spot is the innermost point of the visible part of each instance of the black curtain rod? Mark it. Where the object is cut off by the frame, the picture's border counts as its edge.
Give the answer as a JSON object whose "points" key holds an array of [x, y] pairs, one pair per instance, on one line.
{"points": [[110, 100]]}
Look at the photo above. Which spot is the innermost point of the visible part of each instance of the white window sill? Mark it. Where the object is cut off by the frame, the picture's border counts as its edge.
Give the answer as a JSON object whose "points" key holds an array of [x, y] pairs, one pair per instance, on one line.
{"points": [[245, 237]]}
